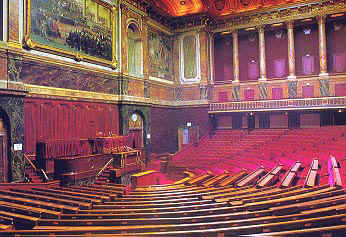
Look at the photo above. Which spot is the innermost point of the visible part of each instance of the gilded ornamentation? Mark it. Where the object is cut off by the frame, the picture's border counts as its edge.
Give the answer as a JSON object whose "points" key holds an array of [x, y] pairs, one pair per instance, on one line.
{"points": [[263, 91], [324, 87], [178, 93], [292, 89], [72, 30], [14, 68], [204, 92], [122, 85], [280, 15], [236, 93]]}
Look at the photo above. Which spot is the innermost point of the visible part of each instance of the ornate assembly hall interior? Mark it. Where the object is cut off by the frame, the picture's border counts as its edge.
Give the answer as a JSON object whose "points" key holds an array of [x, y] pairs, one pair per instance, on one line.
{"points": [[172, 118]]}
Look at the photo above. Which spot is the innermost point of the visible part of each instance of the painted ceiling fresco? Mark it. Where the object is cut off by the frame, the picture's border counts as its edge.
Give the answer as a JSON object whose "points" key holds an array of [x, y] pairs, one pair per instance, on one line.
{"points": [[177, 8]]}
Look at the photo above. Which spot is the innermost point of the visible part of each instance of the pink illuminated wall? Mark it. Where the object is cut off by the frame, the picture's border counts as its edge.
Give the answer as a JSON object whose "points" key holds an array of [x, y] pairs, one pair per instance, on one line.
{"points": [[224, 121], [276, 53], [248, 57], [223, 96], [306, 49], [278, 120], [223, 58], [309, 120], [336, 46], [49, 120]]}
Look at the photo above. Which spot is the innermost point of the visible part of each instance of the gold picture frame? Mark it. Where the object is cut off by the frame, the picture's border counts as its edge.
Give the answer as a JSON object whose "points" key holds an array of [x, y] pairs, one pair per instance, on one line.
{"points": [[70, 29]]}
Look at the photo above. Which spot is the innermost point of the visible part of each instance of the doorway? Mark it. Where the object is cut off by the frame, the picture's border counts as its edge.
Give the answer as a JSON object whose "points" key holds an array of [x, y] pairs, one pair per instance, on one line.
{"points": [[136, 130]]}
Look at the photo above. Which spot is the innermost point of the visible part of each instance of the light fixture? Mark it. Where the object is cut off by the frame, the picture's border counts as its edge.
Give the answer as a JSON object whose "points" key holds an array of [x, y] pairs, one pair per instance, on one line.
{"points": [[182, 2], [336, 15], [277, 24], [306, 20]]}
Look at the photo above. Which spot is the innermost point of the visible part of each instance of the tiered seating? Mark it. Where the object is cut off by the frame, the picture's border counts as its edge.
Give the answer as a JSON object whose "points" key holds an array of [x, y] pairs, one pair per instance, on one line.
{"points": [[244, 195], [202, 205], [234, 150], [221, 152]]}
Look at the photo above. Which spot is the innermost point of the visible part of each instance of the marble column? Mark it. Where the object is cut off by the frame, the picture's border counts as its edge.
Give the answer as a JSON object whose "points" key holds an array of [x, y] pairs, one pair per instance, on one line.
{"points": [[322, 45], [235, 56], [291, 51], [262, 54]]}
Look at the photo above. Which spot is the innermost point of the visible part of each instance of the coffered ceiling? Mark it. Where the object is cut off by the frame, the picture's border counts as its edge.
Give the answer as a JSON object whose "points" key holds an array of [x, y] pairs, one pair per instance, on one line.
{"points": [[218, 8]]}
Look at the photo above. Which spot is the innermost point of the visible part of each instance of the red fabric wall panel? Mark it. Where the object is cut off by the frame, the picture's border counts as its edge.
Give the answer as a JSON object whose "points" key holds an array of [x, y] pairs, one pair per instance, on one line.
{"points": [[276, 53], [223, 58], [223, 96], [49, 120], [306, 49], [307, 91], [248, 57], [336, 46], [277, 93], [340, 89], [249, 94]]}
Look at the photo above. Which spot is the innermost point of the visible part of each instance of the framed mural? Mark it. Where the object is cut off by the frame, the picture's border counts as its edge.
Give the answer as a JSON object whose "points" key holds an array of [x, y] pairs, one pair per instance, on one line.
{"points": [[160, 55], [81, 29], [190, 58]]}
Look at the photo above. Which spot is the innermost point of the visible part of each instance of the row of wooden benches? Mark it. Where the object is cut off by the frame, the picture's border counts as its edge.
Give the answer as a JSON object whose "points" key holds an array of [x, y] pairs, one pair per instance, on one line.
{"points": [[195, 206], [307, 205]]}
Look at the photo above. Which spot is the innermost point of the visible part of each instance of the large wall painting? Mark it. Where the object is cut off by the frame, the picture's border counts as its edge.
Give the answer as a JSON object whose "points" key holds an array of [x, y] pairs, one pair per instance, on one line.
{"points": [[82, 29], [160, 55], [190, 58]]}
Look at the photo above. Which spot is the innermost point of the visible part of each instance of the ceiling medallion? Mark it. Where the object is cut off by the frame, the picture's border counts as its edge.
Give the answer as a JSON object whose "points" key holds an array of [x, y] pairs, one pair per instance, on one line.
{"points": [[219, 5]]}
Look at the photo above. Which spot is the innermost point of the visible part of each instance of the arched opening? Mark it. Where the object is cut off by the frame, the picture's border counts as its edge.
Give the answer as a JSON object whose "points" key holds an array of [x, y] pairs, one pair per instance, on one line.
{"points": [[134, 51], [136, 131], [4, 128]]}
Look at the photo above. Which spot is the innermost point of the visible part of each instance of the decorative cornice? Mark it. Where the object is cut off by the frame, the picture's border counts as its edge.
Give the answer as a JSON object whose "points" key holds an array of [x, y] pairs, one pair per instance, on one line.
{"points": [[292, 13], [159, 26], [53, 92], [129, 5]]}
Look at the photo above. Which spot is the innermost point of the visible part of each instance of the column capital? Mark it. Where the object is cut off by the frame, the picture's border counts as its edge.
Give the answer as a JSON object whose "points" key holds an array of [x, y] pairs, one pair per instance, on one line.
{"points": [[290, 24], [321, 19], [260, 28]]}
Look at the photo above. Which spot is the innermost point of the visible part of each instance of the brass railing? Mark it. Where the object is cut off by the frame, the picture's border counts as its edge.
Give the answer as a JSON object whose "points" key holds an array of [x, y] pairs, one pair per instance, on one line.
{"points": [[104, 167]]}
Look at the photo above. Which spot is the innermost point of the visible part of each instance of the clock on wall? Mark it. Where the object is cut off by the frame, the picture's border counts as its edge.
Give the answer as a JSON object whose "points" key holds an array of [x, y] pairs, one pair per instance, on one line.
{"points": [[134, 117]]}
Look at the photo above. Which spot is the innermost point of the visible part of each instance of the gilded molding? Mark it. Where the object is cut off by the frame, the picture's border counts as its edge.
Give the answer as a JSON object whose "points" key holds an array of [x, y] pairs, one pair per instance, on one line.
{"points": [[31, 44], [14, 44], [281, 15], [53, 61], [43, 91], [159, 26]]}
